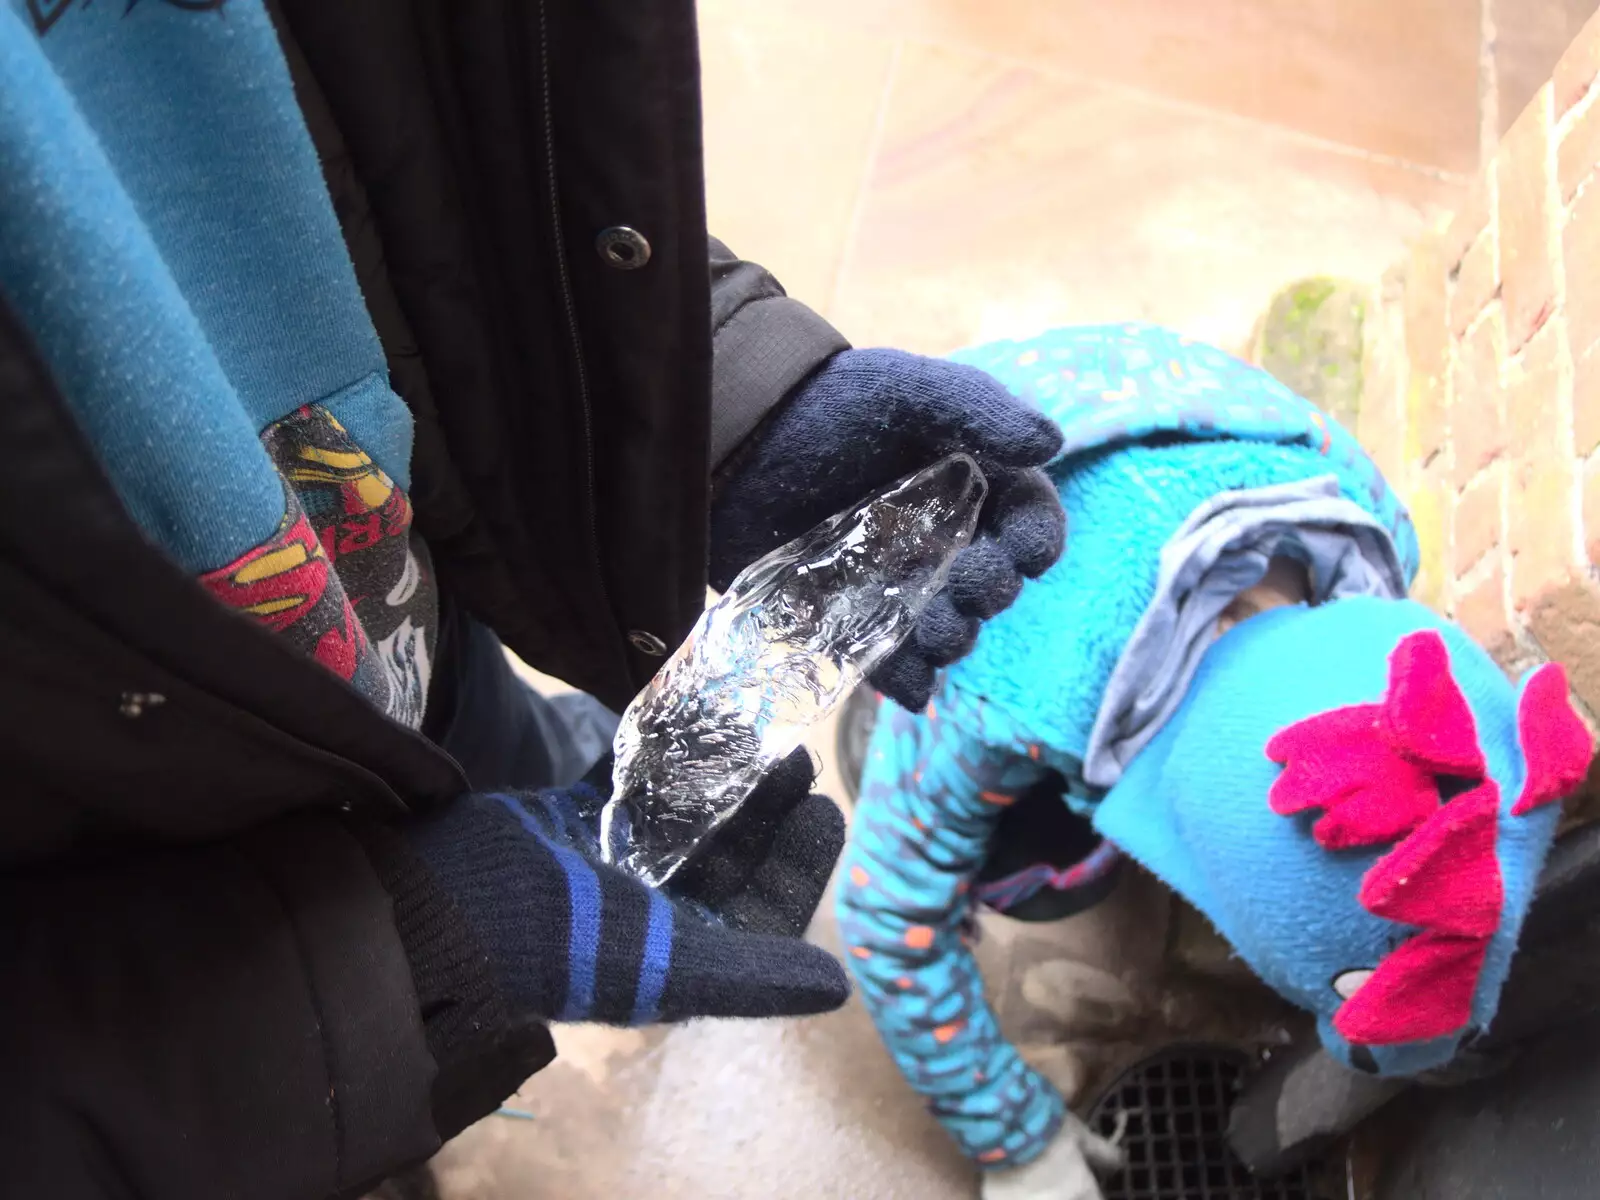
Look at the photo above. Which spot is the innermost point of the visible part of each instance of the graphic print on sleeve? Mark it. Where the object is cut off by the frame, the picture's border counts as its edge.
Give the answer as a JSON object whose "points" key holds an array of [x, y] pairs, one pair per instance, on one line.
{"points": [[345, 578]]}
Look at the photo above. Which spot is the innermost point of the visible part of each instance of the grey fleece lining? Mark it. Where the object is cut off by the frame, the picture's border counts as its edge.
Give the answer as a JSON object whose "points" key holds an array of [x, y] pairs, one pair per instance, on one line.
{"points": [[1222, 549]]}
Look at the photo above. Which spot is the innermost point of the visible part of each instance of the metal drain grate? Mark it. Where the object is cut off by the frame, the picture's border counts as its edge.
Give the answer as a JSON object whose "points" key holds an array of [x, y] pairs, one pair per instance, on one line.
{"points": [[1175, 1105]]}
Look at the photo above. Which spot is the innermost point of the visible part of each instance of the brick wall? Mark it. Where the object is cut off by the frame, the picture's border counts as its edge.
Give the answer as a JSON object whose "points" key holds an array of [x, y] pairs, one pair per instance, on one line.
{"points": [[1522, 41], [1483, 396]]}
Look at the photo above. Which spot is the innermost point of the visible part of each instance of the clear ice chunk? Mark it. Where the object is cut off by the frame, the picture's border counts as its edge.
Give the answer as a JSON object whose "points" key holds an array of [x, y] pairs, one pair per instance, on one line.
{"points": [[794, 634]]}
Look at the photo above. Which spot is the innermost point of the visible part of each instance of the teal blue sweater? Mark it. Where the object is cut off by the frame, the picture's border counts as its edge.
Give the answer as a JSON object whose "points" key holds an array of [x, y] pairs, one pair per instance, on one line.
{"points": [[1025, 701]]}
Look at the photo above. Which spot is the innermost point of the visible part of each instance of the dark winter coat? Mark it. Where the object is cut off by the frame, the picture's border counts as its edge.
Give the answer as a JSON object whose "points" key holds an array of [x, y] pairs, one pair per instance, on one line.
{"points": [[205, 992]]}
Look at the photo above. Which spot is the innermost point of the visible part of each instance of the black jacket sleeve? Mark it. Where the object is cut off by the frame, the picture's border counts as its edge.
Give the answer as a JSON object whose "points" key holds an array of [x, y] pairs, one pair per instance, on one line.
{"points": [[237, 1019], [763, 344]]}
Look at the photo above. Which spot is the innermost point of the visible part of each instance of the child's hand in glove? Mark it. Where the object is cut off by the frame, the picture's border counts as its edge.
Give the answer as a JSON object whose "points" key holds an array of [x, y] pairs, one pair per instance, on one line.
{"points": [[864, 420], [1065, 1171]]}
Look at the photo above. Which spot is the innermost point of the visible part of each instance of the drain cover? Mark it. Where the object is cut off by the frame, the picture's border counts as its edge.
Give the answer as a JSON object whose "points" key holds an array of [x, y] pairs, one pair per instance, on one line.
{"points": [[1173, 1108]]}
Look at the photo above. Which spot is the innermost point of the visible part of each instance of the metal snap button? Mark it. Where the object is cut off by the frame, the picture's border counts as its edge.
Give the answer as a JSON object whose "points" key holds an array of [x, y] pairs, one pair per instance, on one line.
{"points": [[623, 248], [647, 643]]}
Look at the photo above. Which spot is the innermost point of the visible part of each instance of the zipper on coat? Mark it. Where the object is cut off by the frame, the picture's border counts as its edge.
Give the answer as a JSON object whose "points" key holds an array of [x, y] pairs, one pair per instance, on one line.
{"points": [[570, 307]]}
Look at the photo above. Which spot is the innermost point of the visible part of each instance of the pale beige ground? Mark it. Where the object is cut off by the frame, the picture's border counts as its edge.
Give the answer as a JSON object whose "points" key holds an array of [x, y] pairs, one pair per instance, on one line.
{"points": [[929, 173]]}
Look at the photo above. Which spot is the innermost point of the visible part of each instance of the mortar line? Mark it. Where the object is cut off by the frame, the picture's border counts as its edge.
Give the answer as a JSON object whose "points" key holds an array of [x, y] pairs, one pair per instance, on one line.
{"points": [[1573, 115], [1566, 440]]}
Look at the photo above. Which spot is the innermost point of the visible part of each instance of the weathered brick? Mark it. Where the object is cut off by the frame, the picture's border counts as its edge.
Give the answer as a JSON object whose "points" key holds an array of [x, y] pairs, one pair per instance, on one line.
{"points": [[1481, 611], [1530, 382], [1427, 348], [1540, 535], [1586, 403], [1471, 219], [1565, 621], [1578, 150], [1580, 249], [1529, 36], [1476, 282], [1477, 409], [1578, 67], [1591, 512], [1526, 221], [1477, 522]]}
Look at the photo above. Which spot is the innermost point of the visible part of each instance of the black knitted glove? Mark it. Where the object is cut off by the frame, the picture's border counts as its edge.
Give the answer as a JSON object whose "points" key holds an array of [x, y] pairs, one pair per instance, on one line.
{"points": [[864, 420]]}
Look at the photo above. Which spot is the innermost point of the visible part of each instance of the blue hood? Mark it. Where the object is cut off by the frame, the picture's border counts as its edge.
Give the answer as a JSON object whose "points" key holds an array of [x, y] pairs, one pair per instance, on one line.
{"points": [[1155, 425]]}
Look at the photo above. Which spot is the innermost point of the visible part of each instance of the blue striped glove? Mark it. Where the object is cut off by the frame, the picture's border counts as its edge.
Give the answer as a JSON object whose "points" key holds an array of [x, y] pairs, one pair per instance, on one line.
{"points": [[571, 939]]}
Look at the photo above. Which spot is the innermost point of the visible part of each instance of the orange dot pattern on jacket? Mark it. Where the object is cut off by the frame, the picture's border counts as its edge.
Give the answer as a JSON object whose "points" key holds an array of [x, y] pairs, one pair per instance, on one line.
{"points": [[945, 1033], [919, 937]]}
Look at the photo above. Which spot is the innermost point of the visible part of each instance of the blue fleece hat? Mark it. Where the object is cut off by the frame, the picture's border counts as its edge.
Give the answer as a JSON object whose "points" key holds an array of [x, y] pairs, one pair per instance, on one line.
{"points": [[1360, 801]]}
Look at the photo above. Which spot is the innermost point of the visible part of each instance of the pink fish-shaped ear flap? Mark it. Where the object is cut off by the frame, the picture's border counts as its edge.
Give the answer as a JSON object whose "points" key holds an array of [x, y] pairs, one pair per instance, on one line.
{"points": [[1555, 742], [1375, 771], [1424, 712], [1339, 761], [1445, 879], [1372, 767], [1422, 990]]}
